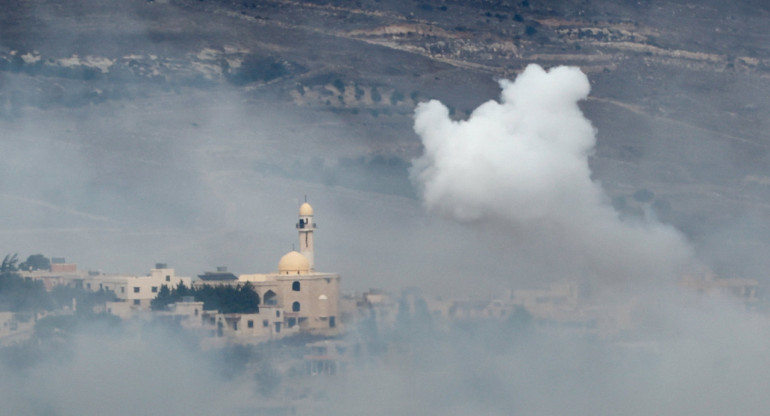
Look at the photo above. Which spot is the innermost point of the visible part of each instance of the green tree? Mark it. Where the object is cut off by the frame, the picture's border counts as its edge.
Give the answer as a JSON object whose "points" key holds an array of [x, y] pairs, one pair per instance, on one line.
{"points": [[35, 262], [226, 299], [162, 300], [18, 294], [9, 263], [182, 291]]}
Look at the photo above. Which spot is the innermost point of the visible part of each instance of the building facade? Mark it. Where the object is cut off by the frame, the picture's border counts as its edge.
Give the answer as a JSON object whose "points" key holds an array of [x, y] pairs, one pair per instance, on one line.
{"points": [[134, 292], [295, 298]]}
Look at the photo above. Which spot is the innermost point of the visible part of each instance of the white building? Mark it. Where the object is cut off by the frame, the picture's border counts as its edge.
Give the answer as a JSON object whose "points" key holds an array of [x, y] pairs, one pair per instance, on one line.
{"points": [[134, 293], [137, 291]]}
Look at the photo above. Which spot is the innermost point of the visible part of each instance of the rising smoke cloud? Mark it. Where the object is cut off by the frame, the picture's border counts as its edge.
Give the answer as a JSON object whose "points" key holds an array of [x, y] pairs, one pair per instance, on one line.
{"points": [[522, 163]]}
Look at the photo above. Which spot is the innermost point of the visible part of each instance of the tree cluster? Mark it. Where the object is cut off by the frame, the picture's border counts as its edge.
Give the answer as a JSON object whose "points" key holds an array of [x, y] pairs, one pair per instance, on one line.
{"points": [[20, 294], [35, 262], [225, 299]]}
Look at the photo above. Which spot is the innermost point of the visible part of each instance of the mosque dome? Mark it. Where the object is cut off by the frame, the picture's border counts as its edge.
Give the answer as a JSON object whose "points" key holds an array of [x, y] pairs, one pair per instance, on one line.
{"points": [[305, 209], [293, 263]]}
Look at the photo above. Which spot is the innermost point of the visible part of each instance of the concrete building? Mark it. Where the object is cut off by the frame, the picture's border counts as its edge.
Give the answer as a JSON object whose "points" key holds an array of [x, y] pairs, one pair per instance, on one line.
{"points": [[133, 292], [60, 274], [136, 291]]}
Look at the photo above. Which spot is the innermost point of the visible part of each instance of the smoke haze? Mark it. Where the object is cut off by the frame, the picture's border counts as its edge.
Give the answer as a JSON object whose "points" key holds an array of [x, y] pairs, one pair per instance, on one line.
{"points": [[522, 163], [149, 131], [705, 357]]}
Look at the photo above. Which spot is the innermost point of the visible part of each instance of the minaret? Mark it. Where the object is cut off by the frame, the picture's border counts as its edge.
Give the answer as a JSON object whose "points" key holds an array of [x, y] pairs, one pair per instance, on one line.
{"points": [[306, 226]]}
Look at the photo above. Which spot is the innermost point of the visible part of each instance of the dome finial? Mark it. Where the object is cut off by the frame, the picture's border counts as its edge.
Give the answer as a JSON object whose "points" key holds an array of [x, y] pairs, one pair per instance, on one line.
{"points": [[305, 209]]}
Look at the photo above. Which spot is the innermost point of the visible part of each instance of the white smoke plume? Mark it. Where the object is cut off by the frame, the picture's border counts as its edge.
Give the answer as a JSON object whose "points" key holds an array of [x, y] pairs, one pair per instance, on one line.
{"points": [[523, 163]]}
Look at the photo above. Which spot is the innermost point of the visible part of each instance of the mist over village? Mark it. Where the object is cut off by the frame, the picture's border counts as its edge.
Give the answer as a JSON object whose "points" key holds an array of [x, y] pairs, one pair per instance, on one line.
{"points": [[339, 207]]}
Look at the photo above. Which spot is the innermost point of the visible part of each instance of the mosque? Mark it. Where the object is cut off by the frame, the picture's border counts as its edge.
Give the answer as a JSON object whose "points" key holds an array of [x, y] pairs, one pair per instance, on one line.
{"points": [[294, 299]]}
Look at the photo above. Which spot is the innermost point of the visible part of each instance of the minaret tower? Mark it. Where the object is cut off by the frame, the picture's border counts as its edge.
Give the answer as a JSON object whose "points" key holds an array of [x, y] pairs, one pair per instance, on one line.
{"points": [[306, 226]]}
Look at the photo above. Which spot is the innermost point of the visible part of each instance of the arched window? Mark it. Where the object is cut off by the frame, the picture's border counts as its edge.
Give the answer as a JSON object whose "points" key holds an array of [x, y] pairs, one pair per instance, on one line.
{"points": [[269, 298], [295, 307], [295, 286]]}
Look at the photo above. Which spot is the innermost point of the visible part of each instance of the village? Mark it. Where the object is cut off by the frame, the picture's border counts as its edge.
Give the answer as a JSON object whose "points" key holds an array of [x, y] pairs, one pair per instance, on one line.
{"points": [[297, 301]]}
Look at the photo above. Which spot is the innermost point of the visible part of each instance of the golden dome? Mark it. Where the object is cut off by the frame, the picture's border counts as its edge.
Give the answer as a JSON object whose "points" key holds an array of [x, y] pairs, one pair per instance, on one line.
{"points": [[305, 209], [293, 263]]}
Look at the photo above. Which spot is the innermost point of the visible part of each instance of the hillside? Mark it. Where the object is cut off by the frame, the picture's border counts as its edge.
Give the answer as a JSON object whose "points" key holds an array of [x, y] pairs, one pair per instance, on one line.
{"points": [[181, 100]]}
